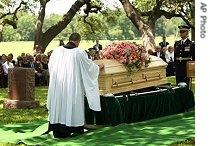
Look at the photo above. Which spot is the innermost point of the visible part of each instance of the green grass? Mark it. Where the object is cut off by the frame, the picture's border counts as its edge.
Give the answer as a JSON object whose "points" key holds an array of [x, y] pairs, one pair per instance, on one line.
{"points": [[9, 116], [173, 82], [17, 47], [157, 132]]}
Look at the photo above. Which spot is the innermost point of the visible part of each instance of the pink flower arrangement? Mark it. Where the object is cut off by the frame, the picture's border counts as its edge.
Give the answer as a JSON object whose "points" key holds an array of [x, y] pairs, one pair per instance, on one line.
{"points": [[132, 55]]}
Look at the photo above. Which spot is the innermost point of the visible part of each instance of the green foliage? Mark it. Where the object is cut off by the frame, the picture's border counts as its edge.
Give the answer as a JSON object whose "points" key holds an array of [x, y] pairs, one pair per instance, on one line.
{"points": [[110, 25], [26, 27], [9, 34], [144, 5]]}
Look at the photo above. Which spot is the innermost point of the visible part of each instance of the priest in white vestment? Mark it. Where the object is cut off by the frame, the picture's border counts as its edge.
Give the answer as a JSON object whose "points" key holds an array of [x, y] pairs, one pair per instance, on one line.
{"points": [[72, 77]]}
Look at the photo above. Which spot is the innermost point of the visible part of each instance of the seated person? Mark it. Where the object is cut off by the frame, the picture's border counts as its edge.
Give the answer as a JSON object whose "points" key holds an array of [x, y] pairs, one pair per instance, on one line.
{"points": [[8, 64], [93, 54], [1, 74], [170, 60], [159, 53], [20, 62], [38, 68], [45, 71]]}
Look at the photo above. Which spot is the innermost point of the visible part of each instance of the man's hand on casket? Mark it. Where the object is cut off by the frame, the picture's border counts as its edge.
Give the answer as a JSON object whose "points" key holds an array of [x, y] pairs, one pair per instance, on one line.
{"points": [[101, 65]]}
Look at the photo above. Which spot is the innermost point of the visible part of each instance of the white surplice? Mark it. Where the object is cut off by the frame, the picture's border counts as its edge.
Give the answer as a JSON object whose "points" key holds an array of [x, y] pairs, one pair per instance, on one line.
{"points": [[72, 75]]}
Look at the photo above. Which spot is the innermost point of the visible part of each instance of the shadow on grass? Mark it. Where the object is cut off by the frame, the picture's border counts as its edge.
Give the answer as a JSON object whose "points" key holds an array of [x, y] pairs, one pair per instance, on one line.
{"points": [[161, 131]]}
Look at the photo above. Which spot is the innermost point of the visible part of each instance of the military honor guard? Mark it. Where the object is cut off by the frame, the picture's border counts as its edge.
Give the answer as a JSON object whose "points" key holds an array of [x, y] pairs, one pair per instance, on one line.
{"points": [[184, 51]]}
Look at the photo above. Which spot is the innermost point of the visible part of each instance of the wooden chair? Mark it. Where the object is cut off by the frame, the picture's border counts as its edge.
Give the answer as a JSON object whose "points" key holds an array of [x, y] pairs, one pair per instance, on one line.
{"points": [[190, 72]]}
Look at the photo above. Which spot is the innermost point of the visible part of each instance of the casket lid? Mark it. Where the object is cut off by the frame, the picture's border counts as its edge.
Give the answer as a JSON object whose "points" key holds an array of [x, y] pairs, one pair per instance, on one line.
{"points": [[112, 66]]}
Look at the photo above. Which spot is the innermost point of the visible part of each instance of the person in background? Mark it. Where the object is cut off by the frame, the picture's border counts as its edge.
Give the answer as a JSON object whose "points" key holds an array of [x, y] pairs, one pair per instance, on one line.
{"points": [[20, 62], [45, 71], [25, 59], [91, 53], [37, 50], [11, 56], [1, 72], [3, 58], [49, 54], [164, 43], [97, 46], [37, 66], [170, 61], [8, 64], [184, 51], [163, 53], [61, 43], [23, 54], [159, 53], [38, 70], [72, 76]]}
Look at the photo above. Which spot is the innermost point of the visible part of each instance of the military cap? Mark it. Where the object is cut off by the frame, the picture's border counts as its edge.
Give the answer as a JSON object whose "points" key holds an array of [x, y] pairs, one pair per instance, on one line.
{"points": [[183, 27], [91, 49]]}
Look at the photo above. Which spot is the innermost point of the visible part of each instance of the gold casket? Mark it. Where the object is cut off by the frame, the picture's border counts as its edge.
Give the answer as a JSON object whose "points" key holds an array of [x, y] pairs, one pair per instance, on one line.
{"points": [[114, 78]]}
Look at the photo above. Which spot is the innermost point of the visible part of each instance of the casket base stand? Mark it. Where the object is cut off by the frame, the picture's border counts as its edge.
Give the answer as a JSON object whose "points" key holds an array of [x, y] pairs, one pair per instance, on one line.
{"points": [[140, 105], [146, 94]]}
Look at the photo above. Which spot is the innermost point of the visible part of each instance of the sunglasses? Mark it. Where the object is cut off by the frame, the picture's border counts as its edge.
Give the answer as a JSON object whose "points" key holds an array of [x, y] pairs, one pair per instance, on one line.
{"points": [[182, 31]]}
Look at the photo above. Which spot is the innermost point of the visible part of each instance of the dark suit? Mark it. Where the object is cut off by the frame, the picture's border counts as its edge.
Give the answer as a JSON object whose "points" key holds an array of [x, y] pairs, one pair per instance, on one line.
{"points": [[90, 57], [38, 73], [97, 47], [163, 44], [1, 76], [183, 53]]}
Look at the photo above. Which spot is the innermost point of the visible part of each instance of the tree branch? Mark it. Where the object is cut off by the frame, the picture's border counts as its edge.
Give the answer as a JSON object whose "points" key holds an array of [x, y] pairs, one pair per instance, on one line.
{"points": [[12, 22], [91, 9]]}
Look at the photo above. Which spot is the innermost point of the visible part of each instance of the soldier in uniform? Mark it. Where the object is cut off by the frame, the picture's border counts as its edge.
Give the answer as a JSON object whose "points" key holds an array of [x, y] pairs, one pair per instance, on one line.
{"points": [[184, 50], [163, 43]]}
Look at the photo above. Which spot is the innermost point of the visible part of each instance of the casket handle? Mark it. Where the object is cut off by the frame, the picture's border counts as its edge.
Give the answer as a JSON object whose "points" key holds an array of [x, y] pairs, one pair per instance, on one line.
{"points": [[122, 84], [146, 77], [153, 78]]}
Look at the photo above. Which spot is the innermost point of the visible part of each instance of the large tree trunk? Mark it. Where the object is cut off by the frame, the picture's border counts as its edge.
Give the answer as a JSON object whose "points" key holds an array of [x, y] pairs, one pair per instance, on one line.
{"points": [[39, 24], [135, 16], [43, 39]]}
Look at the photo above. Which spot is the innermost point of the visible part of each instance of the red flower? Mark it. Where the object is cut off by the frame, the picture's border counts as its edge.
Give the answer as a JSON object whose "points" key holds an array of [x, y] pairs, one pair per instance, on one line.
{"points": [[128, 53]]}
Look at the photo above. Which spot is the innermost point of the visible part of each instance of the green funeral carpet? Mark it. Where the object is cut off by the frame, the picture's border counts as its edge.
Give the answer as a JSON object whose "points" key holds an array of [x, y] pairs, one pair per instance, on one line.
{"points": [[157, 132]]}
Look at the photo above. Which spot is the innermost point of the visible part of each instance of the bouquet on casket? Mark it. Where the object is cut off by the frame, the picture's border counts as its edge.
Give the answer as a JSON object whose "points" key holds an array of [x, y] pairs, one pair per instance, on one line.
{"points": [[132, 55]]}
